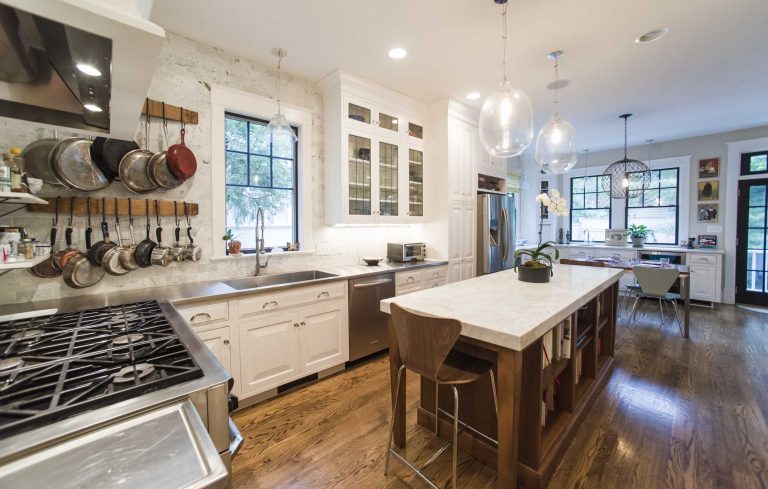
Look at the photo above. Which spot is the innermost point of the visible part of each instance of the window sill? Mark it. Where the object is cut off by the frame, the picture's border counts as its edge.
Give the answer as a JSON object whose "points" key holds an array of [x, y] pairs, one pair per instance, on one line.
{"points": [[252, 256]]}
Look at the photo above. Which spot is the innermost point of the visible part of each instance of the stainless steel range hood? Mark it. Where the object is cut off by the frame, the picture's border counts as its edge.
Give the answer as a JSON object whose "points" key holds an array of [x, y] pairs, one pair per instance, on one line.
{"points": [[76, 63]]}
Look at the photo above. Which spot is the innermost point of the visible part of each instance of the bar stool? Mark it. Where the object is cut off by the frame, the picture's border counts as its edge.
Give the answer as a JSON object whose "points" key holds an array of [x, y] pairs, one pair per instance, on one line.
{"points": [[426, 348]]}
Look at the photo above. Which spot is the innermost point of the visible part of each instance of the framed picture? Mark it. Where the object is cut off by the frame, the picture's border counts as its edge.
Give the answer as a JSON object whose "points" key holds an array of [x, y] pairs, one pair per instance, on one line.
{"points": [[616, 237], [707, 213], [709, 168], [709, 190], [707, 241]]}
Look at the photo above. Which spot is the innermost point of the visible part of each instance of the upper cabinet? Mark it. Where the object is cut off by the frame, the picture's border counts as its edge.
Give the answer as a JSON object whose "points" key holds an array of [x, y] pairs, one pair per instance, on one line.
{"points": [[374, 153]]}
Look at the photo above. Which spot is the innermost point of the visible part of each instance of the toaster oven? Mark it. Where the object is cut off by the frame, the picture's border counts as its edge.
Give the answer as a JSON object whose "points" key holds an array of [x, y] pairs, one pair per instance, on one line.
{"points": [[405, 252]]}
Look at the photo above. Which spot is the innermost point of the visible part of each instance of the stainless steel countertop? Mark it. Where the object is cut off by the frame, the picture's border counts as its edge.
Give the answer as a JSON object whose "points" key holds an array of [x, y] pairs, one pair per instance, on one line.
{"points": [[197, 291]]}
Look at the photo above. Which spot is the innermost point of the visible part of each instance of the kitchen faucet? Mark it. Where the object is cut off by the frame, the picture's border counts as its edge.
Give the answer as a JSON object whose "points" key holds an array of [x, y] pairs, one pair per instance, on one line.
{"points": [[586, 233], [260, 241]]}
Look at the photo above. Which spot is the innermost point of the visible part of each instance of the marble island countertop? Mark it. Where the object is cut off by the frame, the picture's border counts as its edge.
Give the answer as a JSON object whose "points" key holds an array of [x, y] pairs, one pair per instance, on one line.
{"points": [[647, 247], [501, 310]]}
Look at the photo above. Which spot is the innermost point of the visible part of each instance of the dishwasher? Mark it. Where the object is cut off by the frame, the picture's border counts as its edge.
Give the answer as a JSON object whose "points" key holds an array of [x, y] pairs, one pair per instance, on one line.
{"points": [[367, 324]]}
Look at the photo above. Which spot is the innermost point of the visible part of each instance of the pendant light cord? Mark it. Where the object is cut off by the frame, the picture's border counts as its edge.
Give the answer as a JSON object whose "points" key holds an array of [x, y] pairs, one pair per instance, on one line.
{"points": [[279, 62], [504, 40], [557, 81]]}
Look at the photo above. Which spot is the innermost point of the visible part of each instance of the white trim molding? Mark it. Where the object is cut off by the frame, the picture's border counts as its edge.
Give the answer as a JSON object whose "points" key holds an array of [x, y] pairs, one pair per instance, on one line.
{"points": [[225, 99], [733, 177]]}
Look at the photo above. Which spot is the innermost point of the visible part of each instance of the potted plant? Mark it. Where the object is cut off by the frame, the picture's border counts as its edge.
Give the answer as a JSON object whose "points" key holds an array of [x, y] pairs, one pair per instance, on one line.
{"points": [[233, 246], [638, 233], [537, 267], [550, 203]]}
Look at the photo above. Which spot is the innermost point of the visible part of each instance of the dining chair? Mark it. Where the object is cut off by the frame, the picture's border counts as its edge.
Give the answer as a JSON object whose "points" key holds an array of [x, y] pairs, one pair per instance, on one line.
{"points": [[655, 284], [426, 348]]}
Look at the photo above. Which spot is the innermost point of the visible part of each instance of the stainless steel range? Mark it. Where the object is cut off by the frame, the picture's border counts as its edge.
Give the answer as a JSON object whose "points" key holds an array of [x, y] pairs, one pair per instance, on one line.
{"points": [[89, 387]]}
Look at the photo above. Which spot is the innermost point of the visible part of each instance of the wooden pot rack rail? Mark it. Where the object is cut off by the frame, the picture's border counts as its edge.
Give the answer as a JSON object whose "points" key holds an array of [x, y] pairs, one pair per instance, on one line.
{"points": [[138, 207], [172, 112]]}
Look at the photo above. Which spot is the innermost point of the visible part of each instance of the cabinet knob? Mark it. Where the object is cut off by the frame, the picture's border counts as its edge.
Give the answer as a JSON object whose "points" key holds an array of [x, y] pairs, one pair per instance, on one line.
{"points": [[295, 325], [226, 342], [303, 323]]}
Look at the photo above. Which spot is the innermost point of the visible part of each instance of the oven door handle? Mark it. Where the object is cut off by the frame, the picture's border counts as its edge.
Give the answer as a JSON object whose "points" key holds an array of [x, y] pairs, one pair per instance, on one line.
{"points": [[235, 437]]}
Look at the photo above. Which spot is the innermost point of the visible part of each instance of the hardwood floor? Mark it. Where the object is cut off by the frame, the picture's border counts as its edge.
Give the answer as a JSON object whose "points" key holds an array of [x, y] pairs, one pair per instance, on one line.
{"points": [[675, 414]]}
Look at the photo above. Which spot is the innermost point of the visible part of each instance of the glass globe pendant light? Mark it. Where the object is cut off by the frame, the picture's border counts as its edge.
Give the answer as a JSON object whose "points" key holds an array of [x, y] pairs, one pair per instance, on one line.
{"points": [[278, 129], [556, 144], [506, 117]]}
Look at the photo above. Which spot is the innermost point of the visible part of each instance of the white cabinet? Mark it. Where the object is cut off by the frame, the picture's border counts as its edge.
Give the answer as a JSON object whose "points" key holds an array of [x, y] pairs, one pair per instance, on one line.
{"points": [[269, 352], [706, 276], [462, 144], [425, 278], [218, 342], [461, 239], [323, 338]]}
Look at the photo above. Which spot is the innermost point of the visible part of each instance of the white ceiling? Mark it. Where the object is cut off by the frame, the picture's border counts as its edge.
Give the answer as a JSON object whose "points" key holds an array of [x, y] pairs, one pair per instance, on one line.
{"points": [[710, 74]]}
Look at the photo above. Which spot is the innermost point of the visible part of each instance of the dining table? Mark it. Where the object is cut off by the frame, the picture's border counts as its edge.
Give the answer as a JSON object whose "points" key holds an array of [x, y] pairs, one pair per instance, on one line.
{"points": [[685, 280]]}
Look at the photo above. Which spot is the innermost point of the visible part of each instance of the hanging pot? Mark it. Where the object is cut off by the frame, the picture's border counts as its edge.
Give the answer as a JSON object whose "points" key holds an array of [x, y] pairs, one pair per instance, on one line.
{"points": [[111, 260], [96, 252], [144, 249], [157, 167], [61, 257], [192, 252], [37, 159], [181, 160], [177, 250], [128, 255], [72, 164], [80, 272], [161, 255], [46, 269], [133, 166], [107, 153]]}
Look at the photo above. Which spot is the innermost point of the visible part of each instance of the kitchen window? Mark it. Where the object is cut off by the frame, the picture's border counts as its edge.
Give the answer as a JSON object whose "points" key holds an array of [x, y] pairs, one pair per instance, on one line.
{"points": [[590, 207], [259, 174], [754, 163], [657, 206]]}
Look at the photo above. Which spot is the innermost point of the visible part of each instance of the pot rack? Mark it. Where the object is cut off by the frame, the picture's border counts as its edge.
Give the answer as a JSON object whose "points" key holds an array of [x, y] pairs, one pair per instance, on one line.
{"points": [[172, 112], [138, 206]]}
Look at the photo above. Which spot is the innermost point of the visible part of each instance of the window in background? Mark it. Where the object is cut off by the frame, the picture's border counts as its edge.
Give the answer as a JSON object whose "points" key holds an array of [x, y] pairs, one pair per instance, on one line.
{"points": [[590, 207], [259, 174], [754, 163], [657, 206]]}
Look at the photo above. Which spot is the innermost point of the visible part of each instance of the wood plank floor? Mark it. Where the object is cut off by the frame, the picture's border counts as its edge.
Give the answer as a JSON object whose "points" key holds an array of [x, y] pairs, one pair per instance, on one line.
{"points": [[675, 414]]}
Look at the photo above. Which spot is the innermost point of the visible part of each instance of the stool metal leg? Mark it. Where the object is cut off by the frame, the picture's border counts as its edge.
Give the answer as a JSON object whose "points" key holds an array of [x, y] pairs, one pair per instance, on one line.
{"points": [[661, 309], [455, 434], [392, 425], [677, 317], [633, 314]]}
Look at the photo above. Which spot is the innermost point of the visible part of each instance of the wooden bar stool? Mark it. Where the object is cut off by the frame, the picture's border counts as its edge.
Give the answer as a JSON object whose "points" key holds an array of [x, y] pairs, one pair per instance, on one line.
{"points": [[426, 348]]}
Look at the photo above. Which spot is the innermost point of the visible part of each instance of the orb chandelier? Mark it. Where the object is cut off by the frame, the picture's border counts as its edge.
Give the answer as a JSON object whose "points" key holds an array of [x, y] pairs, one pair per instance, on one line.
{"points": [[556, 144], [506, 117], [628, 177], [278, 129]]}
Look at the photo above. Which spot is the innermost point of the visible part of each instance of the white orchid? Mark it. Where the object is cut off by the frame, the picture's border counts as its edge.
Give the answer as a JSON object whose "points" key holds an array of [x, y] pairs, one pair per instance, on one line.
{"points": [[555, 204]]}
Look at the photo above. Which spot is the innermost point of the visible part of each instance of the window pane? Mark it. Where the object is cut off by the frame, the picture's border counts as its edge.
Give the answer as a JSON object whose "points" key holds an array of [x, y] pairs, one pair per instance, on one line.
{"points": [[577, 201], [660, 220], [282, 173], [756, 217], [635, 200], [241, 204], [757, 195], [577, 185], [590, 184], [654, 179], [260, 171], [590, 201], [756, 238], [603, 199], [758, 163], [755, 281], [604, 184], [259, 139], [755, 259], [668, 196], [283, 149], [236, 169], [596, 221], [668, 178], [651, 198], [235, 131]]}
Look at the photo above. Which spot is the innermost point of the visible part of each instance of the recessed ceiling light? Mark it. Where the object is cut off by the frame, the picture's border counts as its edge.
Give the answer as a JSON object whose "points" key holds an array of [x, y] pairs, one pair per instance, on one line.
{"points": [[397, 53], [89, 70], [473, 95], [651, 36], [92, 107]]}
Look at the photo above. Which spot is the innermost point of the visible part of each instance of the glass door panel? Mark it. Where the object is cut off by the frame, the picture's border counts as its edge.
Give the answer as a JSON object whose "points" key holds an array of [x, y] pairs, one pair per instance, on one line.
{"points": [[415, 183], [358, 113], [751, 250], [388, 179], [359, 176], [388, 122], [415, 131]]}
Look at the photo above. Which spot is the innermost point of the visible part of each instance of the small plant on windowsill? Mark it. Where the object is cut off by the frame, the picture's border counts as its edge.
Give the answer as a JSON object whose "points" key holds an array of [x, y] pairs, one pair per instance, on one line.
{"points": [[638, 233], [537, 267], [233, 246]]}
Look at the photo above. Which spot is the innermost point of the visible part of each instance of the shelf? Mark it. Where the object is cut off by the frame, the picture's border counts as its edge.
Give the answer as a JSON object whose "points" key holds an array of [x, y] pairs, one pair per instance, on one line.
{"points": [[601, 361], [22, 264], [20, 198], [552, 371], [581, 344], [360, 161], [556, 423], [601, 324], [582, 387]]}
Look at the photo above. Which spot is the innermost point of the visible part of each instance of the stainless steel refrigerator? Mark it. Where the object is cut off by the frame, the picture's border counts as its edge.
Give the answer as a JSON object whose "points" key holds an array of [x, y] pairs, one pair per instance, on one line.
{"points": [[495, 232]]}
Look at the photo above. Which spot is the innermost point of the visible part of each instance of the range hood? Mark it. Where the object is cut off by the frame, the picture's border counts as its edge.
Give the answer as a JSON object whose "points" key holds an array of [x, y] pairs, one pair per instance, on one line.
{"points": [[78, 64]]}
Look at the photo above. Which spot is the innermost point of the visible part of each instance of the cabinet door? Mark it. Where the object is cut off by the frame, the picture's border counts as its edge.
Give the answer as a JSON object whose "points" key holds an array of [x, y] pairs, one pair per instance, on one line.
{"points": [[360, 184], [415, 184], [703, 282], [217, 340], [468, 159], [454, 271], [461, 147], [387, 173], [467, 230], [467, 269], [269, 352], [323, 337], [455, 215]]}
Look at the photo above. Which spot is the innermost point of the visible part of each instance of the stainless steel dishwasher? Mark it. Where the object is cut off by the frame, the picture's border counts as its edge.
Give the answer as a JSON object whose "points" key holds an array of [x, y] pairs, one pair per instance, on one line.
{"points": [[367, 324]]}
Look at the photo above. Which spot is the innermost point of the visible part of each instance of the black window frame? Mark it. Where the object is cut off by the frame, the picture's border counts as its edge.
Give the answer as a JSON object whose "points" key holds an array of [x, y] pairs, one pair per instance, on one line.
{"points": [[255, 120], [745, 160], [596, 192], [658, 187]]}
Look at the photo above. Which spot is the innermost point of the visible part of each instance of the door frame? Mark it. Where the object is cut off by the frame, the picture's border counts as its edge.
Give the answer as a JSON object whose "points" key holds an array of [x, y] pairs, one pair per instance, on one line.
{"points": [[742, 295]]}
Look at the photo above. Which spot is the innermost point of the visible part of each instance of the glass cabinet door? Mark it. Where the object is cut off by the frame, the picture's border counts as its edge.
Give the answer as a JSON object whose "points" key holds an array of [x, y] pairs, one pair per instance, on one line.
{"points": [[415, 131], [388, 177], [415, 183], [389, 122], [359, 161], [359, 113]]}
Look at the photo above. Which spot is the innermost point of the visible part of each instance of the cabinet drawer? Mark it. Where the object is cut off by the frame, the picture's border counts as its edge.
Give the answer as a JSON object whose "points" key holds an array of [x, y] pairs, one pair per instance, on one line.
{"points": [[434, 273], [402, 290], [408, 278], [200, 314], [431, 284], [270, 301], [701, 259]]}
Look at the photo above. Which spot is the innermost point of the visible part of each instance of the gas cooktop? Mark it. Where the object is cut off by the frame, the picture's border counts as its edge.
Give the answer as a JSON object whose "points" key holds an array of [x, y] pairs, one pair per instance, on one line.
{"points": [[54, 367]]}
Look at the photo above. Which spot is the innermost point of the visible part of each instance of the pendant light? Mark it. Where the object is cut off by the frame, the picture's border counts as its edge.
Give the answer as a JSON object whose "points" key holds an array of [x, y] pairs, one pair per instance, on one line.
{"points": [[556, 144], [628, 177], [278, 129], [506, 117]]}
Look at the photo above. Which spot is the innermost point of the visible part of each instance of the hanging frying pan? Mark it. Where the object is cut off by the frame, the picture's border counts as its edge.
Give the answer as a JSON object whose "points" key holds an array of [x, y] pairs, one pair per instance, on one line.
{"points": [[144, 249], [128, 255], [37, 159], [81, 273], [192, 252], [177, 250], [45, 268], [157, 167], [72, 164], [133, 166], [61, 257], [107, 153], [96, 252], [161, 255], [181, 160], [111, 260]]}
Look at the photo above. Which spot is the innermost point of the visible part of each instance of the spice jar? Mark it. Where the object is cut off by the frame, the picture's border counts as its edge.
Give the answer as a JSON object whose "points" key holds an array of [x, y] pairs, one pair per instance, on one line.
{"points": [[27, 248]]}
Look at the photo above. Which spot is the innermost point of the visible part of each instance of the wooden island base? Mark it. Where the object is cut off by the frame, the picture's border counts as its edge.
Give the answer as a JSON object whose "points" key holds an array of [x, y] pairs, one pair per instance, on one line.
{"points": [[538, 446]]}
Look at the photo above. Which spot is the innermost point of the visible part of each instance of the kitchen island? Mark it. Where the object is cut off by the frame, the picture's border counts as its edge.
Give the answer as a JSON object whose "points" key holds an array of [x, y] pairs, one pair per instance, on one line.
{"points": [[545, 386]]}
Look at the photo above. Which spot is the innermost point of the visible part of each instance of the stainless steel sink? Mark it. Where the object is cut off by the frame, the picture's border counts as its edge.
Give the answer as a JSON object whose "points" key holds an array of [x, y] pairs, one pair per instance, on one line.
{"points": [[277, 279]]}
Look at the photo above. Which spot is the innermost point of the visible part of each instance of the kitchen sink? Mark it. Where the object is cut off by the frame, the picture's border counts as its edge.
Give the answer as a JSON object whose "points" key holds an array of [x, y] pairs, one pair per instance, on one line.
{"points": [[277, 279]]}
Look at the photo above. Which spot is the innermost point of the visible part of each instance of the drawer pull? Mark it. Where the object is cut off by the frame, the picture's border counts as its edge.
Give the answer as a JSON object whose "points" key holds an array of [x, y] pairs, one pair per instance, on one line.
{"points": [[269, 303], [302, 323], [435, 274], [226, 342], [323, 294], [410, 279], [200, 315], [295, 325]]}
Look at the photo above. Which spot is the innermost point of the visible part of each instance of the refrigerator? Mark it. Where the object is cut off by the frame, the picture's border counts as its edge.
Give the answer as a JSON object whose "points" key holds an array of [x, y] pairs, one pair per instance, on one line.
{"points": [[495, 232]]}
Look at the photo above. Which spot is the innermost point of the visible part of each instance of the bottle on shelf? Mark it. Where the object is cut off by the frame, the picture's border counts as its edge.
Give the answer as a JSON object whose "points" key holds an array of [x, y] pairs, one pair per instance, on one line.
{"points": [[560, 236], [20, 164], [5, 176], [567, 237], [16, 173]]}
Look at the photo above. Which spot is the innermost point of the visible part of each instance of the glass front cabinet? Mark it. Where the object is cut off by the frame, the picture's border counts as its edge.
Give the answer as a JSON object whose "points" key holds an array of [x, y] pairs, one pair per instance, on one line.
{"points": [[374, 161]]}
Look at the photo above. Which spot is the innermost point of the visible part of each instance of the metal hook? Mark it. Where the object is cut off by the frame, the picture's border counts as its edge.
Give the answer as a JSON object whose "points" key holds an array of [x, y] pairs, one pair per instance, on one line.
{"points": [[117, 215], [176, 213], [71, 211], [55, 220]]}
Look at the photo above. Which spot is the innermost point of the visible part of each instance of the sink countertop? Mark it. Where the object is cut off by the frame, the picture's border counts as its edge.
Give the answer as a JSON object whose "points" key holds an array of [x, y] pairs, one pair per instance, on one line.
{"points": [[198, 291]]}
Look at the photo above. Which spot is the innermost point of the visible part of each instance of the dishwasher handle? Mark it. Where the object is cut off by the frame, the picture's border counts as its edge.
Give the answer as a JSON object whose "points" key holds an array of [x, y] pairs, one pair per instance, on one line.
{"points": [[372, 284]]}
